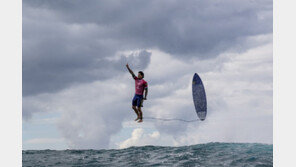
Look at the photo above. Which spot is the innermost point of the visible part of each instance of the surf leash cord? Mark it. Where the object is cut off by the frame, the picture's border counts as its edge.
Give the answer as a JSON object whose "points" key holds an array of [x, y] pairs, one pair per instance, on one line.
{"points": [[171, 119]]}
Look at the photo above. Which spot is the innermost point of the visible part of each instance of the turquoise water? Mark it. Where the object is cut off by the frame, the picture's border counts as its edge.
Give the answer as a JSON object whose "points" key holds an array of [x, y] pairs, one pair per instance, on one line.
{"points": [[210, 154]]}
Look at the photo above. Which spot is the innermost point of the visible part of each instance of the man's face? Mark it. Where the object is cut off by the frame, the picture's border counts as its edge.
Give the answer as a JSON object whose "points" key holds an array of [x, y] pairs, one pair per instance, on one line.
{"points": [[140, 76]]}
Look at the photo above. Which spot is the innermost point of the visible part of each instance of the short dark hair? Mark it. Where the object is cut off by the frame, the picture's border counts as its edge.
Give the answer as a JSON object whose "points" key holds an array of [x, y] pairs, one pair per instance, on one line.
{"points": [[141, 72]]}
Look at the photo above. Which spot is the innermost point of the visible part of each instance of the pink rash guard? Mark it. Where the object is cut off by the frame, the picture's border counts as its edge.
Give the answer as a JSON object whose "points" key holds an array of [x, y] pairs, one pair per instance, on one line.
{"points": [[140, 84]]}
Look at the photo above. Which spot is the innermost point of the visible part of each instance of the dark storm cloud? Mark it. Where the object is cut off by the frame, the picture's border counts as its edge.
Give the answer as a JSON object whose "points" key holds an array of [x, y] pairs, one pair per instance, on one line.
{"points": [[69, 42]]}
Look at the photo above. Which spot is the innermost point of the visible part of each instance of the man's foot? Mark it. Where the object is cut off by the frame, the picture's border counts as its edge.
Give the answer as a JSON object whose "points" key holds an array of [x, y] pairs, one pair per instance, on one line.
{"points": [[137, 119], [140, 121]]}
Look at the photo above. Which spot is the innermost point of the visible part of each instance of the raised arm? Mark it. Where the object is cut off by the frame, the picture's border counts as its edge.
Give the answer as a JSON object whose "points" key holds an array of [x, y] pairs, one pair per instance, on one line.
{"points": [[130, 71]]}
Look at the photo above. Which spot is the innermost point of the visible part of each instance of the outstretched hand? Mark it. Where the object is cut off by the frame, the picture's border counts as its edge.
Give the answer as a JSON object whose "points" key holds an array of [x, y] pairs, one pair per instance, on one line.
{"points": [[127, 65]]}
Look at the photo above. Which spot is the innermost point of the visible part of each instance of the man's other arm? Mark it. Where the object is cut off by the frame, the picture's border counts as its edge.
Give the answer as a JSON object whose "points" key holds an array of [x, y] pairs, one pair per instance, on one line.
{"points": [[146, 93]]}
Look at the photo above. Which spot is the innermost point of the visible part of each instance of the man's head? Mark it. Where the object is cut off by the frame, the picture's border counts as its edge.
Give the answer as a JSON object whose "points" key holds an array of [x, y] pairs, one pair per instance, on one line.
{"points": [[140, 74]]}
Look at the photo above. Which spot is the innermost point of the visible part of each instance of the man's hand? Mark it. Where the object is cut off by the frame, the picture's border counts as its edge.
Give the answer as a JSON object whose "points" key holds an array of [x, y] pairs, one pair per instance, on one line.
{"points": [[130, 70], [144, 98]]}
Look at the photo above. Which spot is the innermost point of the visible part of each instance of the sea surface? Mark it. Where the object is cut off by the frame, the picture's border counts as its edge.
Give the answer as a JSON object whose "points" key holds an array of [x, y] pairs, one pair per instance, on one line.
{"points": [[210, 155]]}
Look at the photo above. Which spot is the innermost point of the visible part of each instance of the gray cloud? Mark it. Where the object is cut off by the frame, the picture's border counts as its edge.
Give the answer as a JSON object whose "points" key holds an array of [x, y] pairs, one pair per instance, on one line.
{"points": [[53, 73], [92, 113], [67, 42], [74, 55]]}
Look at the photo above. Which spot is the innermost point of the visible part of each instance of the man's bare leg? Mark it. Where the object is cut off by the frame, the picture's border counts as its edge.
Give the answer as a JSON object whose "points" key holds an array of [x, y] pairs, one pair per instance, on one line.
{"points": [[137, 112], [140, 114]]}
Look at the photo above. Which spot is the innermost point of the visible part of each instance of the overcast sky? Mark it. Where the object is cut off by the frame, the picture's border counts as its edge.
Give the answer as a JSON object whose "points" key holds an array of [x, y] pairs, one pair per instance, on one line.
{"points": [[77, 92]]}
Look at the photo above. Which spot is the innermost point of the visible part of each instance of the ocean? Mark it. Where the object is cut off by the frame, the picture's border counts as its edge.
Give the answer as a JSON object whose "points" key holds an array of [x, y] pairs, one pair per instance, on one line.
{"points": [[209, 155]]}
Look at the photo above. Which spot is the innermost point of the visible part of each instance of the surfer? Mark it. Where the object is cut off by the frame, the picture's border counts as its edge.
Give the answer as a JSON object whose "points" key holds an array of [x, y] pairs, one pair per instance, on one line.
{"points": [[141, 86]]}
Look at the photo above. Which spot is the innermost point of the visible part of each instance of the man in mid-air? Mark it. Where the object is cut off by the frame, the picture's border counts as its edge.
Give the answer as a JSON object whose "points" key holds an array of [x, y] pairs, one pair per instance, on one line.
{"points": [[141, 85]]}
